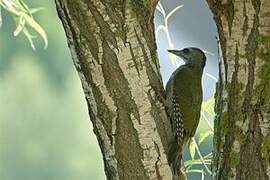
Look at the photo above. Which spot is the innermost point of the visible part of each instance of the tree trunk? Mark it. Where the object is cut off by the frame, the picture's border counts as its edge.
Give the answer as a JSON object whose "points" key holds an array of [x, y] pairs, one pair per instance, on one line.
{"points": [[113, 47], [242, 124]]}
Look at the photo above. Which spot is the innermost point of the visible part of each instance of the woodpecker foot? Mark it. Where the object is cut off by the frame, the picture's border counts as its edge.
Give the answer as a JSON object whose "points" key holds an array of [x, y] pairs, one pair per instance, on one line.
{"points": [[160, 95], [162, 99]]}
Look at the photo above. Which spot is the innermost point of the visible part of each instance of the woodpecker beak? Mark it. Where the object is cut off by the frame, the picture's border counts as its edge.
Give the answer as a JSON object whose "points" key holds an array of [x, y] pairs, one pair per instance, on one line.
{"points": [[178, 53]]}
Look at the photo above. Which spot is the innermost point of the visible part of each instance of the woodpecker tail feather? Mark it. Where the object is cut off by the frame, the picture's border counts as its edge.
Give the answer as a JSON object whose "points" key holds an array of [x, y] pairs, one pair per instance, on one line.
{"points": [[175, 157]]}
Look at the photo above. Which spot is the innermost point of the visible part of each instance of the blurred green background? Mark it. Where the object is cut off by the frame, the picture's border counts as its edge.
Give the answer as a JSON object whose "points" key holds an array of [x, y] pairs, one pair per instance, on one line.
{"points": [[45, 131]]}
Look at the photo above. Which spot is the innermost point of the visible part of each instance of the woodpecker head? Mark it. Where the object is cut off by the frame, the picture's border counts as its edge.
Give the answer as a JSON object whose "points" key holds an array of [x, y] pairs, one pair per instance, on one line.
{"points": [[191, 55]]}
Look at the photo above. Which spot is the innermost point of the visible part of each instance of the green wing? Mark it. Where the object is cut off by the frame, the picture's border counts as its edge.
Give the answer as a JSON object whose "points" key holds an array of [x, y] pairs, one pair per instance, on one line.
{"points": [[190, 98]]}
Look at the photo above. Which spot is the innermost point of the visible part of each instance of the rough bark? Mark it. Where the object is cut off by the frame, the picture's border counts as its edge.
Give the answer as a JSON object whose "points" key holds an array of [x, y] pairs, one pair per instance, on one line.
{"points": [[242, 124], [113, 47]]}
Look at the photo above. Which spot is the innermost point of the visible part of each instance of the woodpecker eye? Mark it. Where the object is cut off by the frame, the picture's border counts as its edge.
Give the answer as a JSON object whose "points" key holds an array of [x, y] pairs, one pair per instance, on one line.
{"points": [[186, 50]]}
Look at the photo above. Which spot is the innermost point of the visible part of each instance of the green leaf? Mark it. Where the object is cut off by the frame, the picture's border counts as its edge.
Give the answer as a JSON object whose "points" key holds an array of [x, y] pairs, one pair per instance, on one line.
{"points": [[29, 37], [208, 103], [192, 150], [23, 5], [208, 106], [202, 178], [208, 156], [212, 77], [210, 111], [37, 28], [195, 171], [204, 135], [23, 18], [160, 8], [190, 163], [35, 10], [172, 12], [20, 26]]}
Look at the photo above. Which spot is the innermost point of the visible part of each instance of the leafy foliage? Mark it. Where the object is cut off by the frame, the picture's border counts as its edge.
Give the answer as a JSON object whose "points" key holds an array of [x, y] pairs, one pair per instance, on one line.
{"points": [[23, 18], [165, 28]]}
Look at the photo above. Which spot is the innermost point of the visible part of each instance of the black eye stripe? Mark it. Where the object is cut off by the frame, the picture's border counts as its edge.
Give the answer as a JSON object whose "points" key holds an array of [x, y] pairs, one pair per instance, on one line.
{"points": [[186, 50]]}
